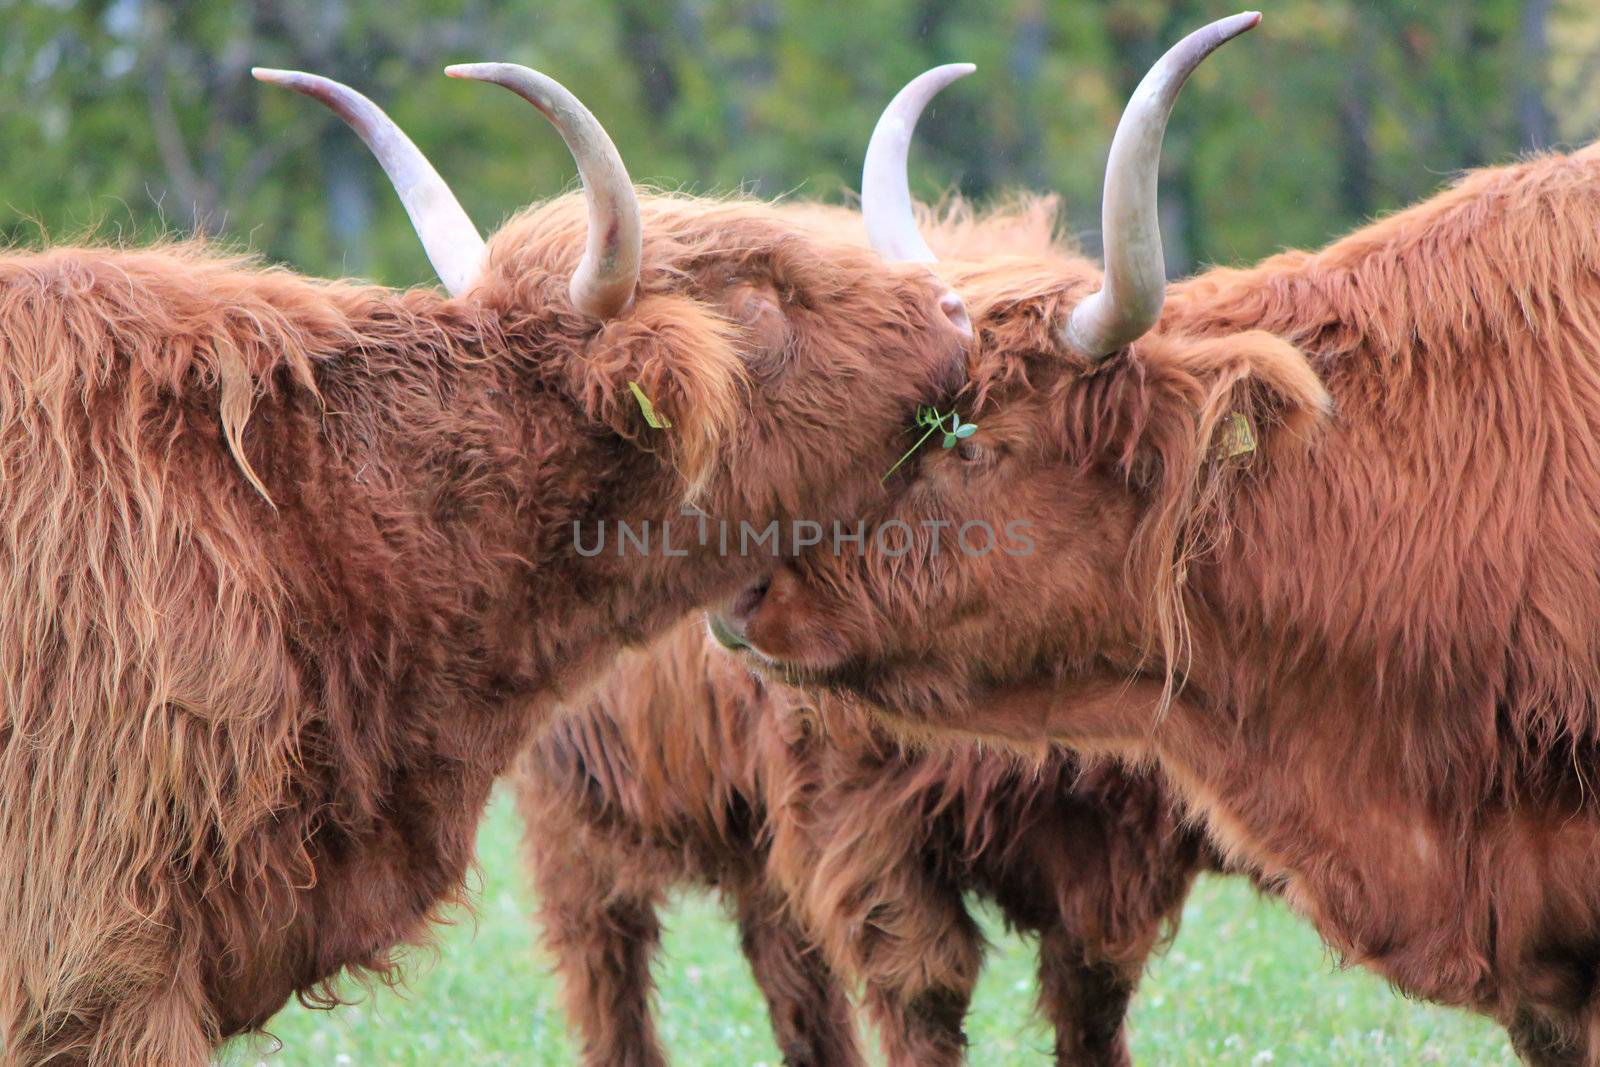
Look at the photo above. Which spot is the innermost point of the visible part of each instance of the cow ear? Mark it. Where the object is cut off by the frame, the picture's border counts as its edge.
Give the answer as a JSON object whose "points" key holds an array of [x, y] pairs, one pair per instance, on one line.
{"points": [[1213, 402], [1255, 386], [764, 331], [1211, 409], [667, 376]]}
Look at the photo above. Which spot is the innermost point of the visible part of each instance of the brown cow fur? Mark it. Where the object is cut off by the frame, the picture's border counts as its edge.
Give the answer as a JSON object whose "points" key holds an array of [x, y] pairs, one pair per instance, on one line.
{"points": [[653, 782], [682, 769], [1366, 651], [287, 572]]}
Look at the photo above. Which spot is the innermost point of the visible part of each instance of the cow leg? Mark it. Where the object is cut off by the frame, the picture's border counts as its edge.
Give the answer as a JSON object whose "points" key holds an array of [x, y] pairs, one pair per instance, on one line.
{"points": [[805, 1000], [1540, 1042], [925, 1027], [1099, 878], [1555, 1022], [919, 968], [887, 922], [603, 953], [604, 931], [1086, 1000], [1543, 1038]]}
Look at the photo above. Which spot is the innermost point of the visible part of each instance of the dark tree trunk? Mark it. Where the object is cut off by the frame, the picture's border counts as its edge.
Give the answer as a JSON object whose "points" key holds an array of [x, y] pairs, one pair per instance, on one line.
{"points": [[348, 181], [1533, 115], [1356, 176], [646, 30], [1028, 45]]}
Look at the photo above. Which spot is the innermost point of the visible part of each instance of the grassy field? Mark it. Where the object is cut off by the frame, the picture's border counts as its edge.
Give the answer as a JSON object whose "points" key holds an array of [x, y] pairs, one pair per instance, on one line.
{"points": [[1246, 983]]}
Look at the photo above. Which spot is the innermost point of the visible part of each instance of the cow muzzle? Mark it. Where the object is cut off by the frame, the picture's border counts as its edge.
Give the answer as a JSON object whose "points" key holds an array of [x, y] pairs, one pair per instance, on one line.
{"points": [[725, 634]]}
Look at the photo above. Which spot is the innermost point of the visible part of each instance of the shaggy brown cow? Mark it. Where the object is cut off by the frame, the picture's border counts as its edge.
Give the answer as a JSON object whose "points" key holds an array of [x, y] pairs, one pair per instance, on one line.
{"points": [[290, 565], [684, 769], [1322, 543]]}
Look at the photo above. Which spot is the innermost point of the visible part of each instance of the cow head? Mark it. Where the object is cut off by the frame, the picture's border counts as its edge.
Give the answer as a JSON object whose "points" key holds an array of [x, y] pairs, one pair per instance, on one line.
{"points": [[1053, 541], [766, 361]]}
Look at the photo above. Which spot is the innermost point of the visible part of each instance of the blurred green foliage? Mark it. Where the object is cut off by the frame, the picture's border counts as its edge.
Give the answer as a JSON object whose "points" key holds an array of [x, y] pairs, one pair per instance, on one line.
{"points": [[135, 116]]}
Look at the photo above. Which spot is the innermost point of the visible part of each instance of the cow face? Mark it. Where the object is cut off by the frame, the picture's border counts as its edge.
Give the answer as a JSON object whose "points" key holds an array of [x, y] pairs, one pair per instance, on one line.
{"points": [[1053, 542], [786, 356]]}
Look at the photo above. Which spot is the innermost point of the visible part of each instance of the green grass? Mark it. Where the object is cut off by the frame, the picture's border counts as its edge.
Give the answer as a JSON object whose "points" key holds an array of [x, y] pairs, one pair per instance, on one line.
{"points": [[1246, 983]]}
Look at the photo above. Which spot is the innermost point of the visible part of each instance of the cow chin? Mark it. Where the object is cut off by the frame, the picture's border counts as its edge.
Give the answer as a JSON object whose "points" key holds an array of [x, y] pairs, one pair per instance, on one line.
{"points": [[1109, 712], [902, 696]]}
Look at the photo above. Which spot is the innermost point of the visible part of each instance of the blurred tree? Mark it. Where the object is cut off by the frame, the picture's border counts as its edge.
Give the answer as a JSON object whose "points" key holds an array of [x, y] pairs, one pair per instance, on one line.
{"points": [[132, 117]]}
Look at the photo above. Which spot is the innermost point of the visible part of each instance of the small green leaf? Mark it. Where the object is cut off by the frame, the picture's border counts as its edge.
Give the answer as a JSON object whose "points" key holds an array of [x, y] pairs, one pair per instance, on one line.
{"points": [[656, 420], [931, 419]]}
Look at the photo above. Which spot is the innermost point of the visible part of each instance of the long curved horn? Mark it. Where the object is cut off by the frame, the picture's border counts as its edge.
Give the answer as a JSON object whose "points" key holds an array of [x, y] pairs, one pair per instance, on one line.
{"points": [[1135, 287], [885, 190], [448, 236], [604, 283]]}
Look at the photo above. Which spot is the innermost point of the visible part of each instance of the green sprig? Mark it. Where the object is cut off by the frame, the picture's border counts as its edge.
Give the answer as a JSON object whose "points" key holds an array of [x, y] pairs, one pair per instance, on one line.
{"points": [[932, 419]]}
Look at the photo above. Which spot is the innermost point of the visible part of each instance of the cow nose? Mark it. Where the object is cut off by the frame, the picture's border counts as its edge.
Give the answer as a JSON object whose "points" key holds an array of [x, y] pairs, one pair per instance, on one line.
{"points": [[728, 626], [749, 601]]}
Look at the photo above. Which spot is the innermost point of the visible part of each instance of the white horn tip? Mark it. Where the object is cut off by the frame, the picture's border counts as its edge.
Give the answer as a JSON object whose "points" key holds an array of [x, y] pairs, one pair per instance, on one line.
{"points": [[1237, 24], [937, 78], [312, 85], [474, 71]]}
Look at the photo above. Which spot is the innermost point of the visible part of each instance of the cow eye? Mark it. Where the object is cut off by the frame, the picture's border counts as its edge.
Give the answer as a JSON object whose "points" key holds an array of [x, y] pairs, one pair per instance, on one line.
{"points": [[977, 456]]}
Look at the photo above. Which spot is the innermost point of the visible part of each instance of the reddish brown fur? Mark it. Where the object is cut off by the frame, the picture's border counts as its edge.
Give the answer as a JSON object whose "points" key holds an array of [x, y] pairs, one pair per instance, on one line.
{"points": [[1379, 626], [288, 574], [655, 781], [683, 769]]}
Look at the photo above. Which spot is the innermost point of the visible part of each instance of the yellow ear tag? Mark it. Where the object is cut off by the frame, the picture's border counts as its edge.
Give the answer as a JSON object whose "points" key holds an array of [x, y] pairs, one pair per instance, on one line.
{"points": [[1237, 438], [656, 420]]}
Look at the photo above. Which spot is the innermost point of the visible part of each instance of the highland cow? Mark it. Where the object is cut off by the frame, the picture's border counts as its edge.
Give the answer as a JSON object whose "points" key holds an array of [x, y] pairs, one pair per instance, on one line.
{"points": [[1318, 537], [683, 769], [289, 565]]}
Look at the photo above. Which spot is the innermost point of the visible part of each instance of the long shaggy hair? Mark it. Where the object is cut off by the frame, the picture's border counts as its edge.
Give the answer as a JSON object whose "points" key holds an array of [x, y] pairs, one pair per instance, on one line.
{"points": [[289, 574], [835, 844], [1322, 544], [657, 780]]}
